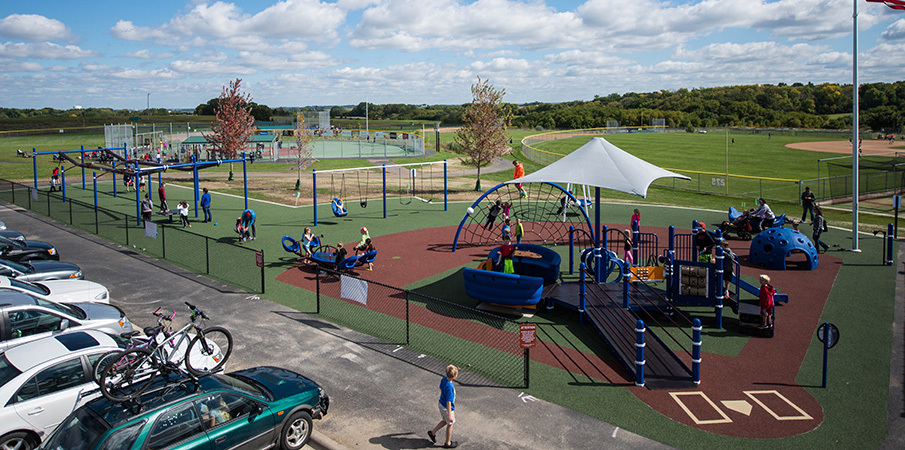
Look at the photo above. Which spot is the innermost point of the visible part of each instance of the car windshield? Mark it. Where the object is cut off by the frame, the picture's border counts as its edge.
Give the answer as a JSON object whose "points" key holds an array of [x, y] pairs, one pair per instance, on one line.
{"points": [[7, 370], [6, 241], [79, 431], [16, 266], [72, 310], [31, 287], [241, 386]]}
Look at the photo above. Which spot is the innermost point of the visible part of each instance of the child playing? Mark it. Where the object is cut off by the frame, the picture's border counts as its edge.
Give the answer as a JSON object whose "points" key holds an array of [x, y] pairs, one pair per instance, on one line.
{"points": [[506, 207], [307, 239], [183, 209], [507, 231], [495, 209], [364, 238], [519, 231], [367, 247], [636, 216], [628, 257], [766, 301]]}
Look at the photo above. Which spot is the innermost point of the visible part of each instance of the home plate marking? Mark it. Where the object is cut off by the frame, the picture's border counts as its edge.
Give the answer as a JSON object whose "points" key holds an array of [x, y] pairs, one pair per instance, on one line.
{"points": [[739, 406], [723, 418]]}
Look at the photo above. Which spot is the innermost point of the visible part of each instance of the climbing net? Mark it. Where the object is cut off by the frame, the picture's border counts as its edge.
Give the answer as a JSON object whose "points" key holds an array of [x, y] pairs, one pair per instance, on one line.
{"points": [[546, 215]]}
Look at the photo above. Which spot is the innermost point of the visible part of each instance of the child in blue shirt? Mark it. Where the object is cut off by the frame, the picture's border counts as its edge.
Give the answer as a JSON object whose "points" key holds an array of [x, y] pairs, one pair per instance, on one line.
{"points": [[447, 407]]}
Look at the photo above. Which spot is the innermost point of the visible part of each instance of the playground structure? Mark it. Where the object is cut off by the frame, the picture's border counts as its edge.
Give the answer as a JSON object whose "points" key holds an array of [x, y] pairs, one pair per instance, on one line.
{"points": [[134, 168], [323, 255], [407, 182]]}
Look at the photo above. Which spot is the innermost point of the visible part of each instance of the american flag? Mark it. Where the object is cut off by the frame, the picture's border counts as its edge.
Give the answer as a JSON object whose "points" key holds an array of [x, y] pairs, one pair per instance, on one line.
{"points": [[894, 4]]}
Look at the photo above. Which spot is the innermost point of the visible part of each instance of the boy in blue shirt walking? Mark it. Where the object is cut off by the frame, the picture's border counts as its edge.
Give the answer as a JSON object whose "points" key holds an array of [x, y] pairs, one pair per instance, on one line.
{"points": [[447, 407]]}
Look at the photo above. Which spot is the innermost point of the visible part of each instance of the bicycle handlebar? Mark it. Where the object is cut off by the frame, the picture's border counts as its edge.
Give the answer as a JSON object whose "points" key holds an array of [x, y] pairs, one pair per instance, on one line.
{"points": [[162, 316], [197, 311]]}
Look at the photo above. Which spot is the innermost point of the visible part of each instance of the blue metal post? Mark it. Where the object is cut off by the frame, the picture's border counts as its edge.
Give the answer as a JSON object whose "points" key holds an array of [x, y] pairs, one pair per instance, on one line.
{"points": [[672, 238], [571, 249], [195, 177], [581, 293], [639, 353], [384, 191], [314, 191], [63, 181], [445, 187], [137, 178], [696, 351], [719, 292], [889, 239], [597, 217], [34, 165], [159, 174], [626, 279], [636, 239], [826, 350], [245, 177], [601, 257], [94, 180], [83, 166]]}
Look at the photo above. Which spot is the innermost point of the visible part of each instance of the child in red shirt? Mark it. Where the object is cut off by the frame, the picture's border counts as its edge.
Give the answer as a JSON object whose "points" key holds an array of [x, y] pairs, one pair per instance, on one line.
{"points": [[766, 301], [635, 216]]}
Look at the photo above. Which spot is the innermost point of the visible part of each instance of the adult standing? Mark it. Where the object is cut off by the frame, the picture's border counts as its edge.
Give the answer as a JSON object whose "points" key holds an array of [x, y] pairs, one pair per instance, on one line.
{"points": [[162, 195], [518, 173], [819, 224], [146, 207], [206, 206], [447, 408], [248, 223], [807, 203]]}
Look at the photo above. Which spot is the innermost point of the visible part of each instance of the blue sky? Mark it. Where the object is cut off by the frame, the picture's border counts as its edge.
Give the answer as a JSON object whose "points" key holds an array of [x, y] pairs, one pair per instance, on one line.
{"points": [[64, 54]]}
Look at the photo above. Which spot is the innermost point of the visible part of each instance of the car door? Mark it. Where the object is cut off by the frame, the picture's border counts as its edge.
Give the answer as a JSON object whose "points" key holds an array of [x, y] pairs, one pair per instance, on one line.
{"points": [[48, 397], [178, 427], [235, 421], [27, 325]]}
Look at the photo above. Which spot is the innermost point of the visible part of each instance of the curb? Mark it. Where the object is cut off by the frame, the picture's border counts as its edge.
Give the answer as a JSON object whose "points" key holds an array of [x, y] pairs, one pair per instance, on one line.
{"points": [[320, 441]]}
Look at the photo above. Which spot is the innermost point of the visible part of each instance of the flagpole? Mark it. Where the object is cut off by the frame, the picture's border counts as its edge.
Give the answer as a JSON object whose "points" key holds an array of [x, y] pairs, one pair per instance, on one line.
{"points": [[855, 138]]}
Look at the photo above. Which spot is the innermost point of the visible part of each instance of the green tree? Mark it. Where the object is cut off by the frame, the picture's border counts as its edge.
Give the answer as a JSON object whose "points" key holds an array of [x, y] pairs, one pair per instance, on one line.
{"points": [[483, 136]]}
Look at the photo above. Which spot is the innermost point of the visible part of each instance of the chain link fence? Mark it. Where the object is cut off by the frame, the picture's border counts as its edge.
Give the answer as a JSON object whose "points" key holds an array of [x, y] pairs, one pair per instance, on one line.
{"points": [[223, 261], [478, 342]]}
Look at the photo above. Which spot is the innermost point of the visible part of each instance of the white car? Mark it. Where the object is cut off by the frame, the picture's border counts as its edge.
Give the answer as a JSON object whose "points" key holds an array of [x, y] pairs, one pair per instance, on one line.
{"points": [[42, 381], [60, 291]]}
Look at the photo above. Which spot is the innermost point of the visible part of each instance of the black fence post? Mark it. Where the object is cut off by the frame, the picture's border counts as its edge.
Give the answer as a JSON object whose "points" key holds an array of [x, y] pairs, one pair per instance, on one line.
{"points": [[527, 365], [97, 225], [262, 271], [70, 212], [408, 322], [127, 229], [48, 206], [163, 241], [12, 189], [317, 281], [207, 255]]}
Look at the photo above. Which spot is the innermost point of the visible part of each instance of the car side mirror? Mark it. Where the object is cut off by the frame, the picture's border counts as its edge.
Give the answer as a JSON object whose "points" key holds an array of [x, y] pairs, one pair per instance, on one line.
{"points": [[64, 324], [258, 409]]}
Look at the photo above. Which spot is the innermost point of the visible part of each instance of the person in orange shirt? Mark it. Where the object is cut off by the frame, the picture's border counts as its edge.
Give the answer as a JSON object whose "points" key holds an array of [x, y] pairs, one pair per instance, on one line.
{"points": [[519, 172]]}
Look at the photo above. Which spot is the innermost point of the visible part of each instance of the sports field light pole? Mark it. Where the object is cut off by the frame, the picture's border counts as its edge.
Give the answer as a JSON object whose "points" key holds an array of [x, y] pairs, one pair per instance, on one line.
{"points": [[855, 149]]}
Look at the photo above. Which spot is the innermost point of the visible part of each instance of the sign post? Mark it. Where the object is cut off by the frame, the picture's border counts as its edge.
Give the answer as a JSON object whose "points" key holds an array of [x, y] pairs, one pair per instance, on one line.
{"points": [[259, 261], [829, 335], [527, 340]]}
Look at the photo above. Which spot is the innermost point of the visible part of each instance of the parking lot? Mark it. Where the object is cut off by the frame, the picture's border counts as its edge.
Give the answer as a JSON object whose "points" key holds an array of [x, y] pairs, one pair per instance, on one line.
{"points": [[377, 400]]}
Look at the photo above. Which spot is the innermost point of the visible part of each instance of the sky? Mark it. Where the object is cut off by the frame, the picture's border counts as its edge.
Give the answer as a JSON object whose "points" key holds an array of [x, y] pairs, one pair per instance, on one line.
{"points": [[178, 54]]}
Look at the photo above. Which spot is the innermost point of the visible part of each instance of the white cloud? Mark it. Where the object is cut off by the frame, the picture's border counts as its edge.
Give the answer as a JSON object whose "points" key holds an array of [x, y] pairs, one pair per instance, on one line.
{"points": [[278, 62], [147, 54], [35, 28], [209, 68], [134, 74], [44, 50], [895, 31], [21, 66], [730, 52]]}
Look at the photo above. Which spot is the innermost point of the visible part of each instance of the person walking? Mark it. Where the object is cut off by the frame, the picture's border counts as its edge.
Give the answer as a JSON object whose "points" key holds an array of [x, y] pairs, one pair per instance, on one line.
{"points": [[447, 408], [183, 209], [807, 203], [162, 195], [54, 179], [518, 173], [146, 207], [819, 224], [206, 206]]}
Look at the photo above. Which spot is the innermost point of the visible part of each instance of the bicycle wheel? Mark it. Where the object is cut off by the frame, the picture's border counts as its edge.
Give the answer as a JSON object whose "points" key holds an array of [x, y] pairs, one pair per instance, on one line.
{"points": [[103, 362], [208, 351], [129, 376]]}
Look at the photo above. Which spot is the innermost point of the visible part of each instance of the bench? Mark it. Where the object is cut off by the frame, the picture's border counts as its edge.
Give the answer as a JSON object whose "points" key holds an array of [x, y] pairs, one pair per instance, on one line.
{"points": [[546, 267]]}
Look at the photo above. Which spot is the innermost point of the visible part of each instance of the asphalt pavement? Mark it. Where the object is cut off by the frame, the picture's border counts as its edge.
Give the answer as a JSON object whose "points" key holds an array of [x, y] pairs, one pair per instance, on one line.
{"points": [[377, 400]]}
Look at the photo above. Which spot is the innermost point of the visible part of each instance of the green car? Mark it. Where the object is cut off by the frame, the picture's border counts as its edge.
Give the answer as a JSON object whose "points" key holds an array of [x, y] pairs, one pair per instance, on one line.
{"points": [[261, 407]]}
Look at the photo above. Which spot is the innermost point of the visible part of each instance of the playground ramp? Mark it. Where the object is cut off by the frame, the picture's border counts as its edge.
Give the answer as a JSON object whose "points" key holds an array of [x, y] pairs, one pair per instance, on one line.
{"points": [[616, 325]]}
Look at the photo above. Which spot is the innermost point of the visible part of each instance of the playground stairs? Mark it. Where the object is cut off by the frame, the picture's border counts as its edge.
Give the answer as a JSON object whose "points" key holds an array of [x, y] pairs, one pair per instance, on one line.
{"points": [[616, 325]]}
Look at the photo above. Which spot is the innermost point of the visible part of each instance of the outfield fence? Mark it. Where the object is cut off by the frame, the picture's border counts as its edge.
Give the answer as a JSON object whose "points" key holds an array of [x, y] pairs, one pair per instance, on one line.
{"points": [[478, 342], [223, 261]]}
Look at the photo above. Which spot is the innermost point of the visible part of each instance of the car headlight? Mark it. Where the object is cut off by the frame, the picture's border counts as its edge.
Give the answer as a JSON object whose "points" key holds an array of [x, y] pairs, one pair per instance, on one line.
{"points": [[124, 322], [76, 275], [101, 296], [52, 251]]}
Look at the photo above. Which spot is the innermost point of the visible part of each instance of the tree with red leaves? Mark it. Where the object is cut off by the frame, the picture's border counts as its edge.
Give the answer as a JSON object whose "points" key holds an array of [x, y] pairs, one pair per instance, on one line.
{"points": [[235, 124], [483, 136]]}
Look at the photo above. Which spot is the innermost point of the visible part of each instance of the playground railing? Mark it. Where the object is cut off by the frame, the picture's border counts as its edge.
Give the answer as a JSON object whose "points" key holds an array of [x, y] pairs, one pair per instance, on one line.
{"points": [[484, 345], [232, 264]]}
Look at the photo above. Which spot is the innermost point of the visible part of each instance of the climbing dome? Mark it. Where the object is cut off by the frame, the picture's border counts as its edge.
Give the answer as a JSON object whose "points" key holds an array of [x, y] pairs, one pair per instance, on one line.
{"points": [[773, 246], [542, 215]]}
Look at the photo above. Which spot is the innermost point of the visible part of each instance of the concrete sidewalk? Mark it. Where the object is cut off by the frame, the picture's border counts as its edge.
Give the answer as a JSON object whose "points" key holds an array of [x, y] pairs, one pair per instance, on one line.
{"points": [[378, 400]]}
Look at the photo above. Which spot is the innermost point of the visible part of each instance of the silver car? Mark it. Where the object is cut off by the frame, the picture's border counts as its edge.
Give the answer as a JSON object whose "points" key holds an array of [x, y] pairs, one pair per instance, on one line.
{"points": [[40, 270], [25, 318], [41, 382]]}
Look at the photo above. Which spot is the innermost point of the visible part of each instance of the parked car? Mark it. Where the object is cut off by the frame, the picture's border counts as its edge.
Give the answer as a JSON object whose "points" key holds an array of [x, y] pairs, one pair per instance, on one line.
{"points": [[43, 381], [40, 270], [60, 291], [25, 318], [259, 407], [12, 235], [16, 250]]}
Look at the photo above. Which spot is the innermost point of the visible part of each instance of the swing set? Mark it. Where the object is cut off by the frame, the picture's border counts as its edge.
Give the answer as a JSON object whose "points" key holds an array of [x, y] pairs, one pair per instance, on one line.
{"points": [[410, 185]]}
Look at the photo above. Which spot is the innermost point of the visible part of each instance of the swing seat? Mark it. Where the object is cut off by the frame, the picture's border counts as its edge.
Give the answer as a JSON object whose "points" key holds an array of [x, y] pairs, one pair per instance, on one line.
{"points": [[338, 211], [348, 263], [368, 257], [291, 245]]}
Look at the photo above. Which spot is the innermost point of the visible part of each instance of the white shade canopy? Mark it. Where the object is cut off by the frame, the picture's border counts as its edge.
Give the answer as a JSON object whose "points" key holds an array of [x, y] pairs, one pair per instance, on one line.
{"points": [[601, 164]]}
